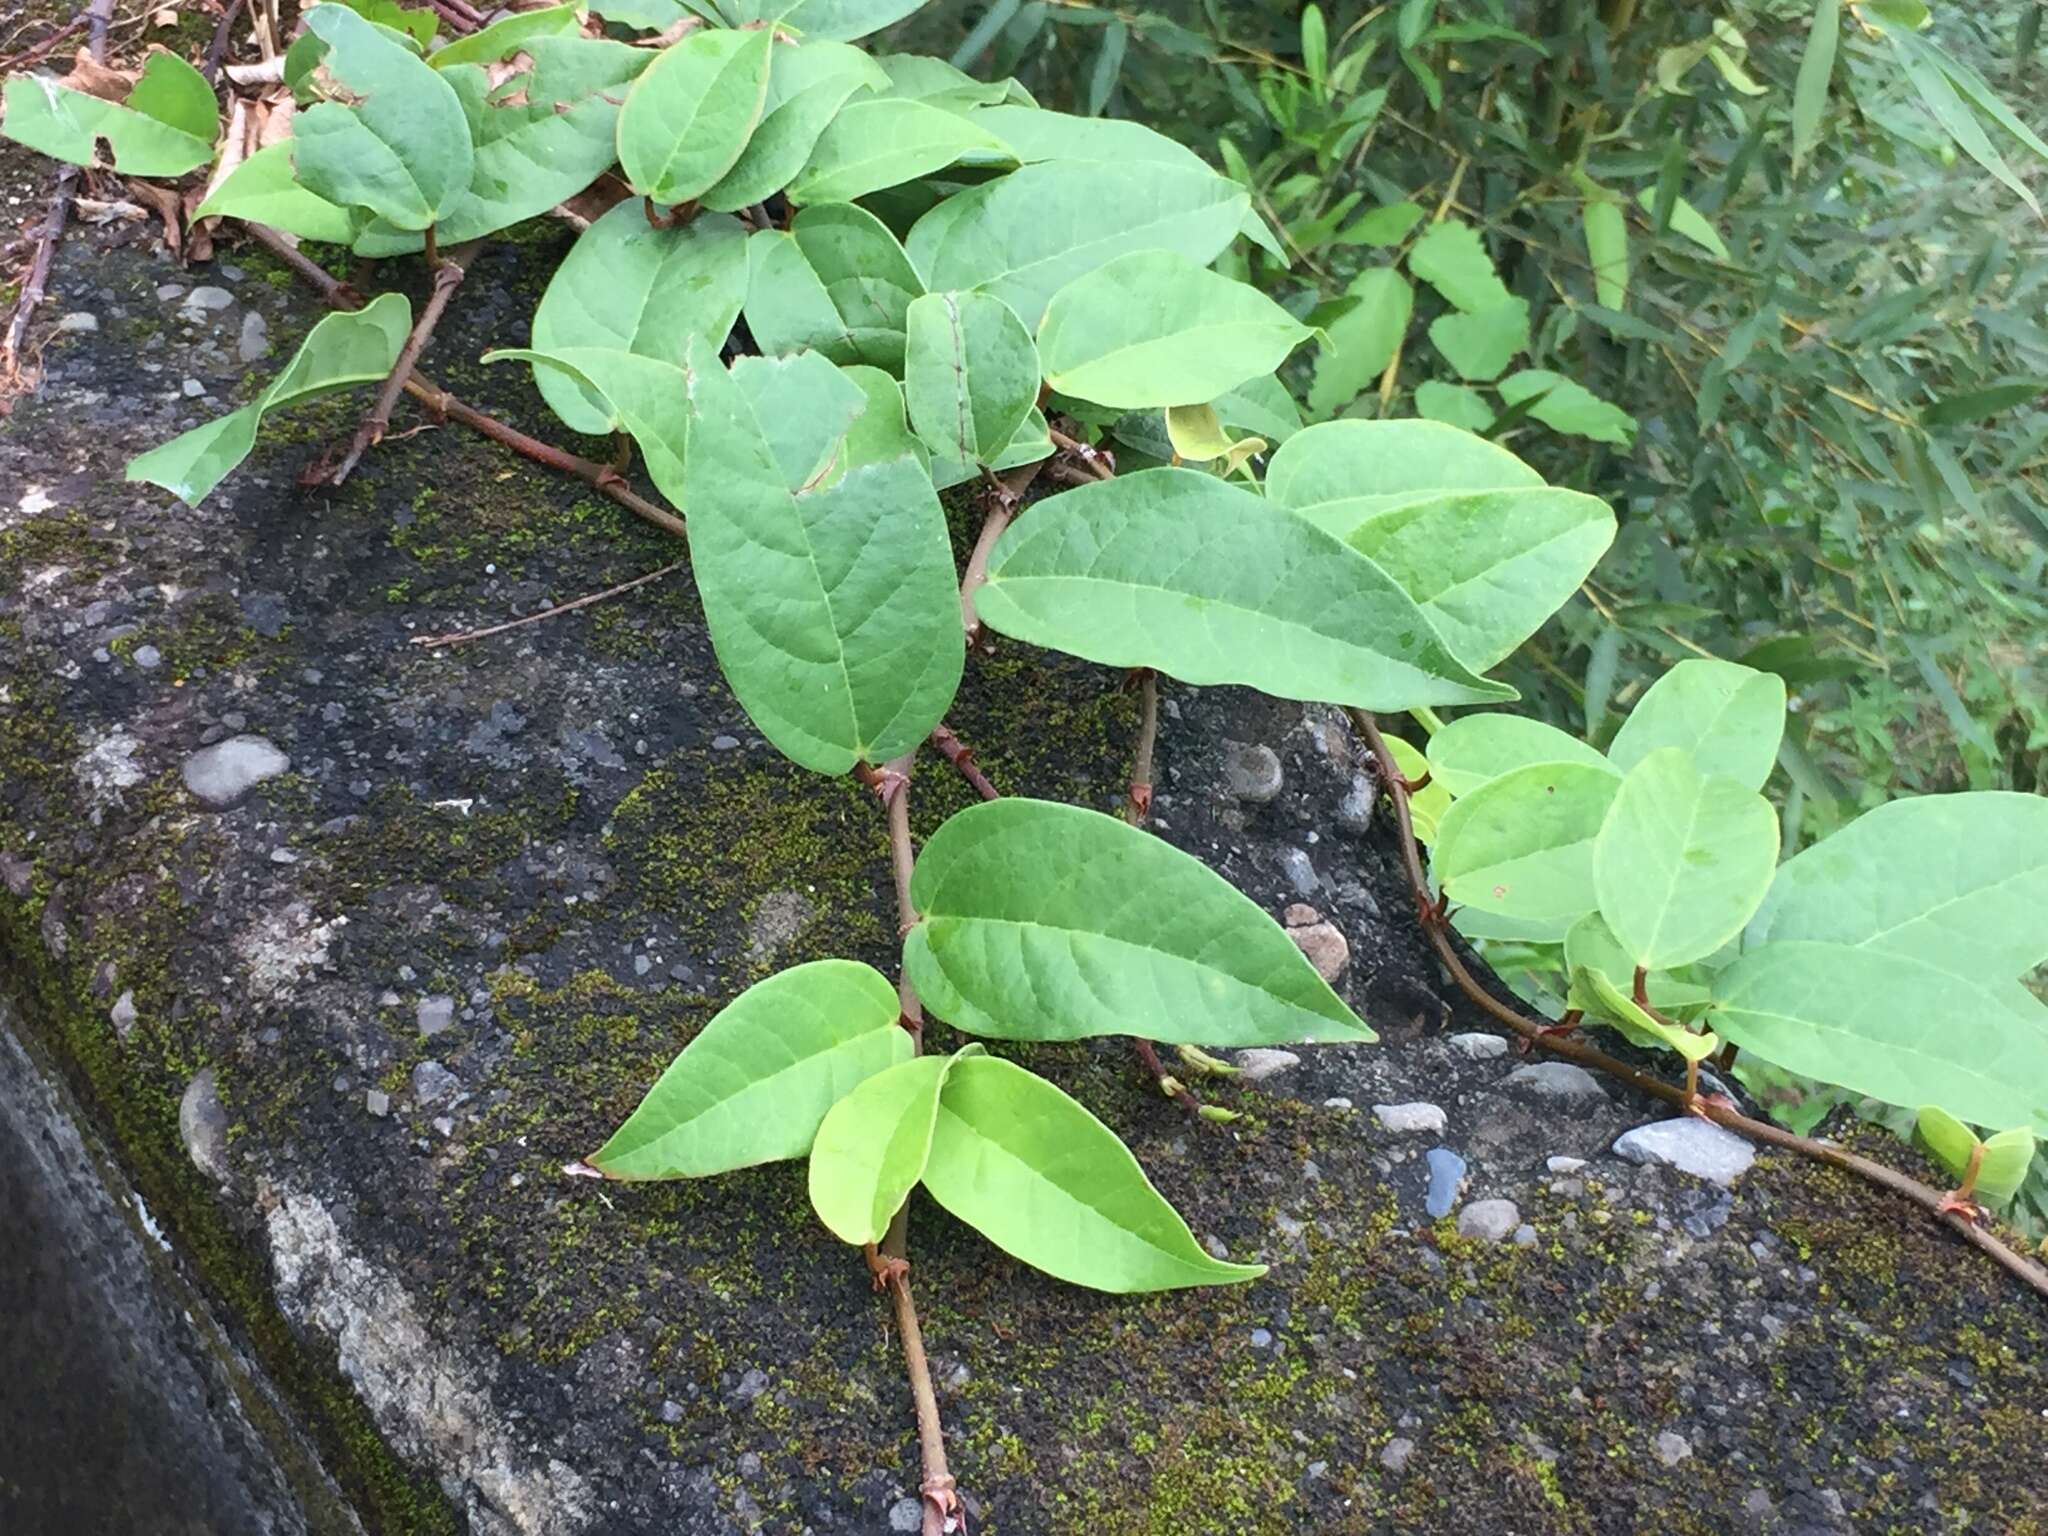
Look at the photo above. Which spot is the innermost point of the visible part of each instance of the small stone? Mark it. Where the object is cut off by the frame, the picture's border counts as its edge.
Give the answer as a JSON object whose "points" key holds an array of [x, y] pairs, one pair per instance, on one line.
{"points": [[208, 298], [1216, 1247], [671, 1411], [445, 1126], [168, 291], [1478, 1046], [1410, 1119], [79, 320], [221, 774], [1671, 1449], [1490, 1221], [750, 1465], [254, 341], [1252, 773], [1395, 1454], [752, 1385], [148, 657], [1262, 1062], [1757, 1504], [1354, 811], [1565, 1164], [1558, 1080], [1336, 1101], [1446, 1178], [193, 389], [204, 1125], [1691, 1145], [434, 1015], [1300, 872], [123, 1014], [432, 1082], [642, 965], [377, 1102], [1325, 947], [724, 743], [16, 873], [1262, 1338], [1525, 1236], [906, 1515]]}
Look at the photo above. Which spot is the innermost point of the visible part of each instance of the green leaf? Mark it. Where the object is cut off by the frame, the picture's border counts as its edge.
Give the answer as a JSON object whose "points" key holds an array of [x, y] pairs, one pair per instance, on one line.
{"points": [[882, 430], [1521, 844], [1958, 881], [970, 374], [1487, 567], [401, 148], [807, 86], [1592, 944], [1383, 226], [1453, 405], [1892, 1027], [2001, 1167], [1594, 990], [1607, 245], [834, 612], [1568, 406], [1729, 717], [504, 37], [837, 282], [1452, 259], [920, 77], [755, 1083], [1153, 329], [872, 1148], [630, 286], [1048, 1183], [1357, 345], [1426, 806], [1025, 236], [264, 190], [1474, 749], [805, 408], [1041, 921], [691, 111], [419, 24], [844, 20], [1036, 135], [1816, 68], [1691, 223], [541, 136], [165, 128], [359, 347], [1924, 66], [883, 143], [1976, 404], [1338, 472], [1177, 570], [1683, 860], [1262, 406], [1481, 345]]}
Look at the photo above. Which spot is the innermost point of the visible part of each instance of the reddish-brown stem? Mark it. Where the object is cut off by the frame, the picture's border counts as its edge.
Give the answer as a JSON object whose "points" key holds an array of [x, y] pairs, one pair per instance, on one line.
{"points": [[448, 277], [1004, 493], [961, 756], [1170, 1085], [432, 251], [334, 293], [1138, 803], [1575, 1050], [1098, 463]]}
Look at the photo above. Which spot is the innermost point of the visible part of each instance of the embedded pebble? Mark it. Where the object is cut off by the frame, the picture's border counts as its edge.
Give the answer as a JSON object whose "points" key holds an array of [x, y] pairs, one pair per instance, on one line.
{"points": [[724, 743], [434, 1015], [1322, 942], [221, 774], [193, 389], [1525, 1236], [208, 298], [1691, 1145], [1672, 1449], [1354, 811], [377, 1102], [254, 341], [148, 657], [203, 1124], [123, 1014], [79, 320], [1252, 773], [1565, 1164], [432, 1082], [1410, 1119], [1262, 1062], [1446, 1177], [1394, 1456], [1557, 1080], [1300, 872], [906, 1515], [1478, 1046], [1489, 1220]]}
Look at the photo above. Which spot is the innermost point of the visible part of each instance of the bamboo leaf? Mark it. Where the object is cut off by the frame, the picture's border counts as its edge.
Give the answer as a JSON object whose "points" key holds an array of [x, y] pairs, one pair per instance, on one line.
{"points": [[1816, 68]]}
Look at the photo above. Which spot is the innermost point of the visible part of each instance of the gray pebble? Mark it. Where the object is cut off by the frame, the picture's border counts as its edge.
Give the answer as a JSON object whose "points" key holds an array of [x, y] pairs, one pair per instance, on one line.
{"points": [[724, 743], [1262, 1338], [1478, 1046], [208, 298], [123, 1014], [1565, 1164], [1300, 872], [1395, 1454], [432, 1082], [671, 1411], [1354, 811], [79, 320], [204, 1125], [1446, 1177], [193, 389], [1691, 1145], [1557, 1080], [1262, 1062], [1490, 1221], [254, 341], [148, 657], [1525, 1236], [1410, 1119], [906, 1514], [1672, 1449], [1252, 773], [221, 774], [435, 1014], [752, 1385]]}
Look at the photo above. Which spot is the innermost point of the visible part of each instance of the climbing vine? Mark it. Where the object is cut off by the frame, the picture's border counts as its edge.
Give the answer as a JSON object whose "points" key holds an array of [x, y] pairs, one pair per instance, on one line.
{"points": [[815, 287]]}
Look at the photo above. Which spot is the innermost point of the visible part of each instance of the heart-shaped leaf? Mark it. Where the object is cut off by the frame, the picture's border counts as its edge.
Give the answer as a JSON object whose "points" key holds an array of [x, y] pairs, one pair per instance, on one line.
{"points": [[630, 286], [1474, 749], [755, 1082], [1481, 345], [872, 1148], [1358, 344], [1047, 1182], [1049, 922], [690, 113], [165, 128], [1025, 236], [1154, 329], [1893, 1027], [1177, 570], [1728, 717], [504, 37], [837, 282], [1683, 860], [342, 350], [401, 146], [1959, 881], [1521, 844], [970, 374], [805, 407], [807, 86]]}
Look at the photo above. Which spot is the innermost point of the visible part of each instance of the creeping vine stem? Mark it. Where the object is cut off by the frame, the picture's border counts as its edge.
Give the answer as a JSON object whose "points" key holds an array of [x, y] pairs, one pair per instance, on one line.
{"points": [[1541, 1036]]}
